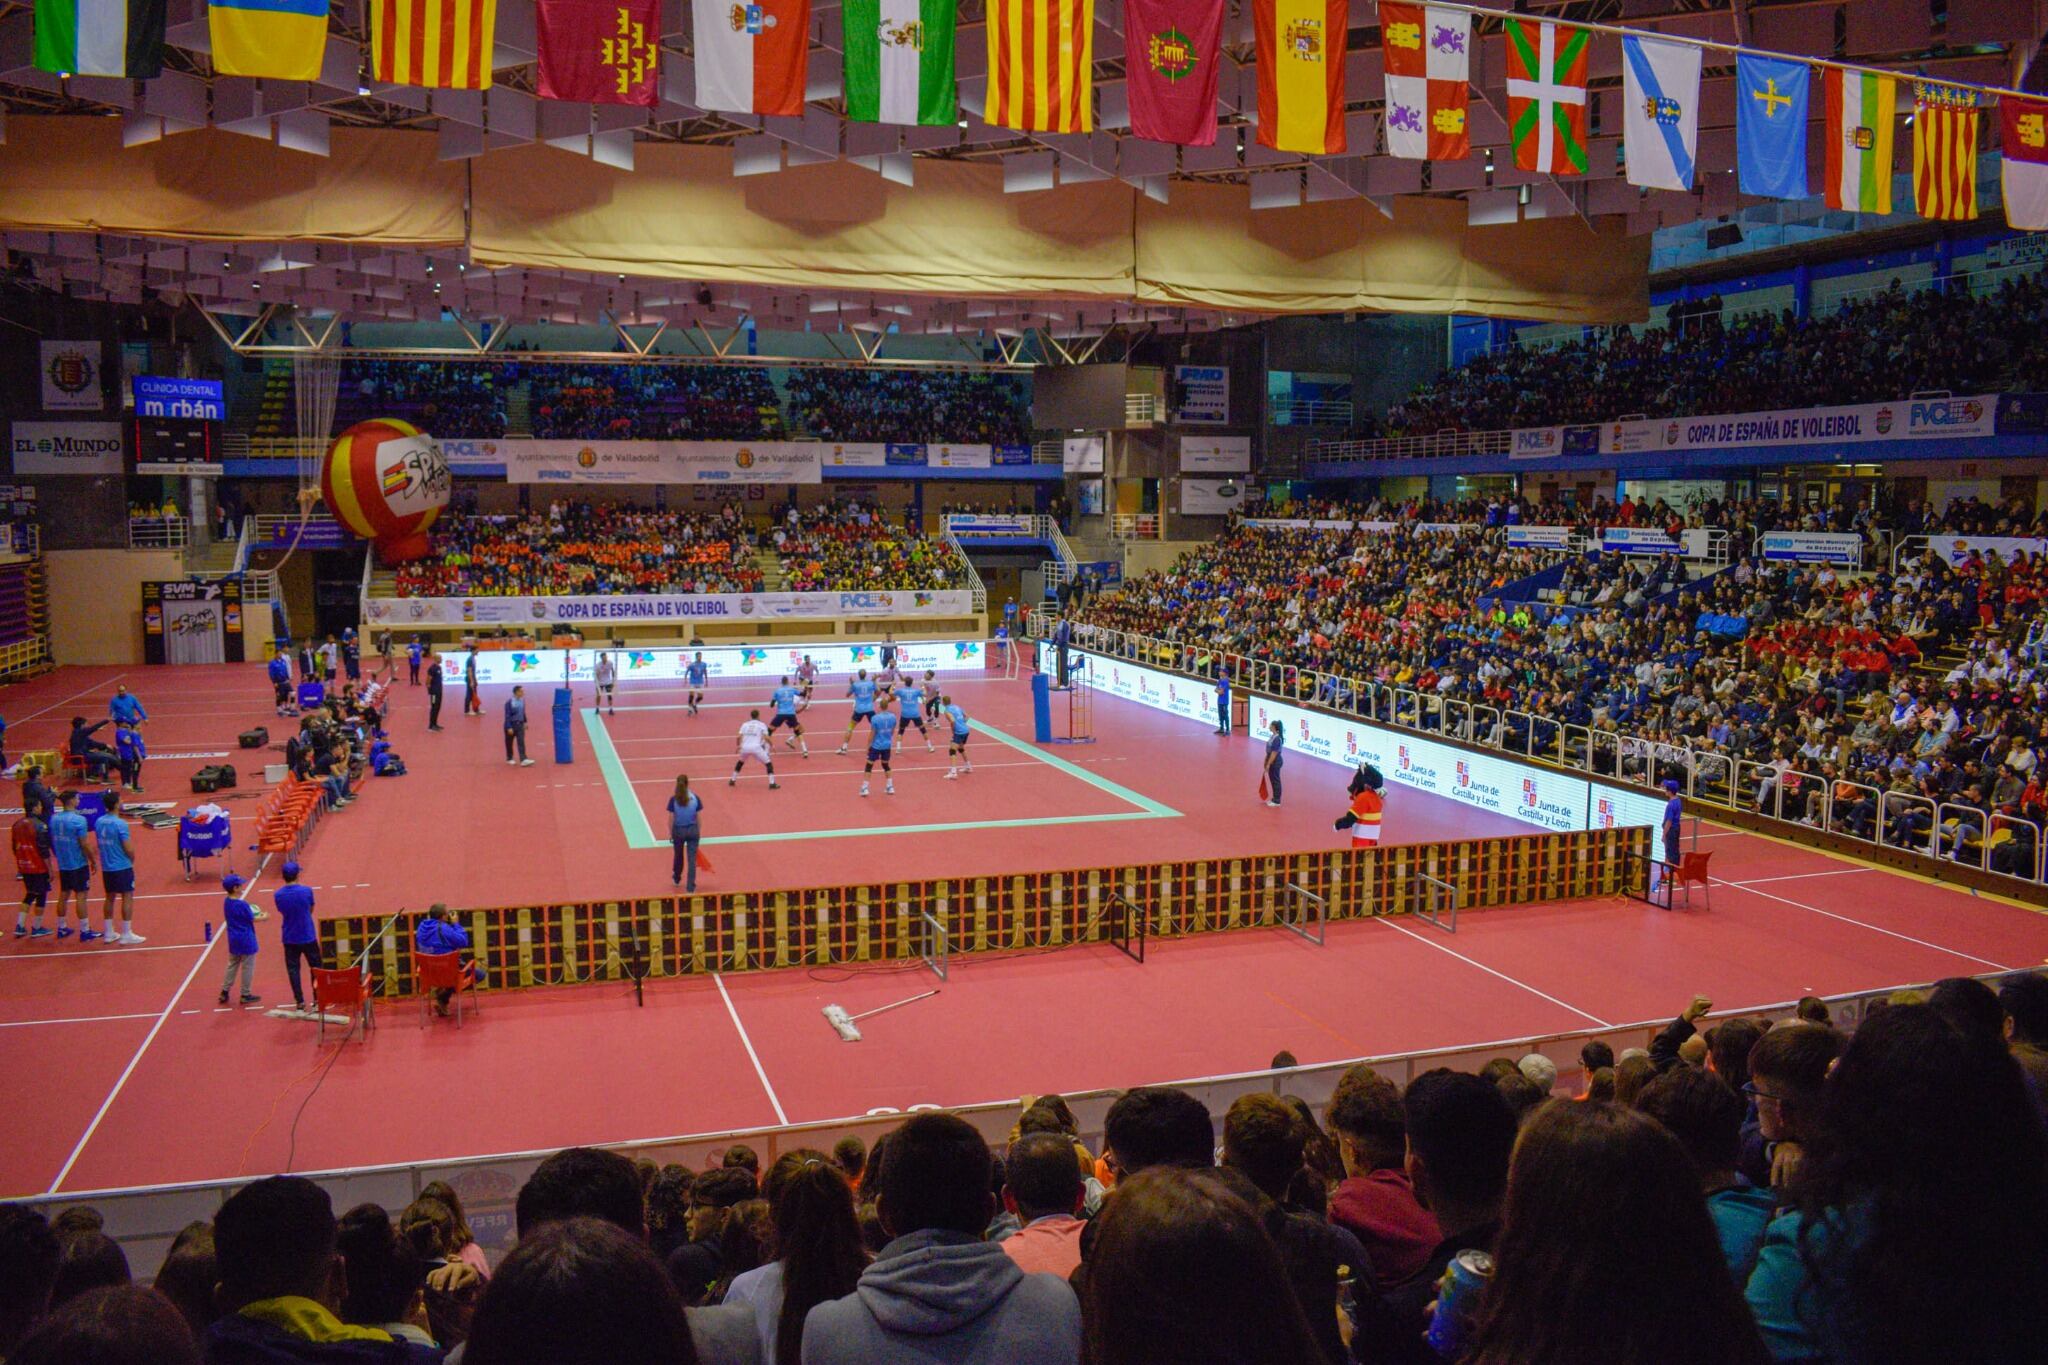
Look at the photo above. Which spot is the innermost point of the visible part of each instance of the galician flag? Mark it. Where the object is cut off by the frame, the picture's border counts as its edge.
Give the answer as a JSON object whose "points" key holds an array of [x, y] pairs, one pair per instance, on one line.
{"points": [[1862, 112], [899, 61], [1547, 96], [1661, 122], [2023, 159], [752, 55], [100, 38]]}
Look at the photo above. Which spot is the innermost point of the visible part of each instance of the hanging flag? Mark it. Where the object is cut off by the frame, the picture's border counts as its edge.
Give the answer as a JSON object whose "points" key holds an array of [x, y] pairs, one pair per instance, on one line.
{"points": [[100, 38], [2023, 160], [443, 44], [752, 55], [279, 39], [899, 60], [1301, 74], [599, 51], [1945, 152], [1660, 127], [1547, 96], [1171, 49], [1041, 65], [1862, 106], [1428, 57], [1771, 98]]}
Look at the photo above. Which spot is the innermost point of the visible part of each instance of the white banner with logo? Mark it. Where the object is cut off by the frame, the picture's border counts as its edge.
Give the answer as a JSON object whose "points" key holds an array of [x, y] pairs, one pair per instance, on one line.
{"points": [[641, 609], [959, 457], [72, 378], [1206, 498], [1204, 394], [857, 455], [1814, 547], [1540, 537], [1639, 540], [1958, 548], [662, 461], [990, 524], [1081, 455], [67, 447], [1907, 419], [1536, 443], [1216, 454], [537, 667]]}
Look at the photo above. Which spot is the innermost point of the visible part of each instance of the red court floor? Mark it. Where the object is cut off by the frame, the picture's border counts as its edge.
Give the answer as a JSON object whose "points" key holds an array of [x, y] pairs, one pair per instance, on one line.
{"points": [[135, 1077]]}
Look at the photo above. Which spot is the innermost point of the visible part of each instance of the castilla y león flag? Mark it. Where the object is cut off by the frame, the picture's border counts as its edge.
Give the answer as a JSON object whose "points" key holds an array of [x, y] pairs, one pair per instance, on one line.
{"points": [[1170, 60], [599, 51], [2023, 155]]}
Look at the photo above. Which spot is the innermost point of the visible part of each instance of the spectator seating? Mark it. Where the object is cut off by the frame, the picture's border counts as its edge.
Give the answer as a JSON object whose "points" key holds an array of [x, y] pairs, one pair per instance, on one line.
{"points": [[907, 405], [652, 402], [574, 548], [446, 400], [851, 545]]}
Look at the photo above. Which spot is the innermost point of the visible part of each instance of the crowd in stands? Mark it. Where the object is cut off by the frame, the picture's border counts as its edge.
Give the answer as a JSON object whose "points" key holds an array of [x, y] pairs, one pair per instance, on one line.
{"points": [[1869, 350], [853, 545], [579, 548], [908, 405], [1740, 1193], [454, 401], [652, 402]]}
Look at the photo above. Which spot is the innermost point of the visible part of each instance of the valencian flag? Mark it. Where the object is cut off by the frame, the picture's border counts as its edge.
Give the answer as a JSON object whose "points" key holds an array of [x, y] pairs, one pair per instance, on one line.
{"points": [[599, 51], [444, 44], [752, 55], [1862, 106], [2023, 157], [100, 38], [1170, 60], [1428, 56], [1301, 74], [283, 40], [1041, 65], [1771, 100], [1945, 152], [1661, 120], [1547, 96], [899, 60]]}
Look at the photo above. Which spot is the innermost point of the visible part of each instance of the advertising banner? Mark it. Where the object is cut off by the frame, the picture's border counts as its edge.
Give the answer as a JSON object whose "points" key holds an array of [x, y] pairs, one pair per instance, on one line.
{"points": [[1012, 455], [1639, 540], [695, 462], [1584, 440], [1958, 548], [989, 524], [857, 455], [72, 373], [1204, 394], [1902, 420], [160, 396], [1290, 524], [186, 622], [1206, 498], [1216, 454], [1536, 443], [1540, 537], [722, 661], [1081, 455], [68, 447], [1814, 547], [640, 609], [959, 457]]}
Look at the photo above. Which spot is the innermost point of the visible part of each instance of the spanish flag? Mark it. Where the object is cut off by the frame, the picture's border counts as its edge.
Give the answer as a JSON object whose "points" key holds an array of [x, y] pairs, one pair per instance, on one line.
{"points": [[278, 39], [1041, 65], [444, 44], [1301, 74]]}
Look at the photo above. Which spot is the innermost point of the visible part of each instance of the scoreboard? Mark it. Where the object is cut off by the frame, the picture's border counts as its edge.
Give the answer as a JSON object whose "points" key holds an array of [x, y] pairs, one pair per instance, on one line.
{"points": [[177, 445]]}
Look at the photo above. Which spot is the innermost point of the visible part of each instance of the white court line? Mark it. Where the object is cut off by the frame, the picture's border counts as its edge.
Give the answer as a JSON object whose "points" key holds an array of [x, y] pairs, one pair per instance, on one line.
{"points": [[752, 1055], [87, 1019], [830, 772], [1874, 928], [71, 950], [1382, 919], [73, 697], [1801, 876]]}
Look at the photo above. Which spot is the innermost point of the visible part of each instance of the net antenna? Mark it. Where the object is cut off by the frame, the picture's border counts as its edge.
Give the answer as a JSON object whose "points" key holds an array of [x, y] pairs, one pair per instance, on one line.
{"points": [[1436, 902], [1304, 913], [934, 948]]}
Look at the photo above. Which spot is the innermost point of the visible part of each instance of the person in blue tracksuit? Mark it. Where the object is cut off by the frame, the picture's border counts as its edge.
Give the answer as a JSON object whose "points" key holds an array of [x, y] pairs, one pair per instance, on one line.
{"points": [[515, 727], [862, 690], [1275, 742], [300, 935], [125, 706], [240, 918], [439, 933], [414, 652], [1222, 704], [881, 744], [129, 746], [280, 671]]}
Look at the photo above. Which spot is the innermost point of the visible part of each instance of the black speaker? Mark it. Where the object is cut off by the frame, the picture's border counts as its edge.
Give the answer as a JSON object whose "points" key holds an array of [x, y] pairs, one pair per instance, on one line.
{"points": [[1727, 234]]}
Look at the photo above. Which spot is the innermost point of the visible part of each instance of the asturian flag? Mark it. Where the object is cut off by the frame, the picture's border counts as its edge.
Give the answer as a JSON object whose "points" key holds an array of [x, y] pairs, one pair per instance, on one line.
{"points": [[1661, 128], [1428, 59], [2023, 156], [1772, 98]]}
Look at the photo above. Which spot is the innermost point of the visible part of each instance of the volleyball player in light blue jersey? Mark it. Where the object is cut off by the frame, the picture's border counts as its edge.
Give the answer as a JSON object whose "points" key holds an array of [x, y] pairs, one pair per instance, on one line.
{"points": [[910, 700], [956, 748], [881, 747], [786, 698], [862, 690]]}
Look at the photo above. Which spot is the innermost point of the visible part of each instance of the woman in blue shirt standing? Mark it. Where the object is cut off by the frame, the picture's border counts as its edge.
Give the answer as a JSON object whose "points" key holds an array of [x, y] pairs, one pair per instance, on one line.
{"points": [[685, 826], [1276, 741]]}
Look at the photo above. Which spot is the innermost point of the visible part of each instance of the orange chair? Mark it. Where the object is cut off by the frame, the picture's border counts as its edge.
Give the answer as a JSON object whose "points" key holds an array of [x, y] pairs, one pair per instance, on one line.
{"points": [[442, 972], [346, 991], [1692, 870]]}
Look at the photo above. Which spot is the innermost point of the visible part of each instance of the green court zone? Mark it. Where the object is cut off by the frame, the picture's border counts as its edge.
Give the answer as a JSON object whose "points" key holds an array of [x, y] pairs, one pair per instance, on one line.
{"points": [[640, 833]]}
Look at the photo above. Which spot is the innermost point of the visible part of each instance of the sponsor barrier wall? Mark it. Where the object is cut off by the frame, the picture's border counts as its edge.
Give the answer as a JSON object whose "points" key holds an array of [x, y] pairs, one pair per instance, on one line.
{"points": [[1814, 547], [1901, 420], [722, 661], [634, 608]]}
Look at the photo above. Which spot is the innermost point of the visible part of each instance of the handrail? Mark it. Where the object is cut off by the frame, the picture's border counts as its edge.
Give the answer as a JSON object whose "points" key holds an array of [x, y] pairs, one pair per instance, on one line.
{"points": [[158, 533], [975, 585]]}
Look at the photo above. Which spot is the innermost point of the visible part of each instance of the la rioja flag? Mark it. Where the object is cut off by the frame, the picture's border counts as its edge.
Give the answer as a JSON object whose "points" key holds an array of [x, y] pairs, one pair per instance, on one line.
{"points": [[1170, 60], [599, 51], [752, 55], [2023, 154], [1428, 59]]}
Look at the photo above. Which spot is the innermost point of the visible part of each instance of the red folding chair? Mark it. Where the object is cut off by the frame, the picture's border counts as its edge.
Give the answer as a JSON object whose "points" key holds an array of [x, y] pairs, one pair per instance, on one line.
{"points": [[346, 991], [443, 972]]}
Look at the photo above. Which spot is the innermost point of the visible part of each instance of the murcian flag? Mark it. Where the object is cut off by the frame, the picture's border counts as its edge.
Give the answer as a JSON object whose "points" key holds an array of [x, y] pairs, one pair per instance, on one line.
{"points": [[1301, 46], [599, 51], [1428, 57], [1660, 132], [1041, 65], [1772, 98], [1945, 152], [1171, 51], [752, 55], [1547, 96], [100, 38], [1862, 108], [442, 44], [283, 40], [899, 60], [2023, 158]]}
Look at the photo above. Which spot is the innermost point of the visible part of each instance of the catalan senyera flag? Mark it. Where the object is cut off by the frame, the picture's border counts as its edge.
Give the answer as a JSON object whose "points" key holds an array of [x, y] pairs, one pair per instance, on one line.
{"points": [[283, 40], [1301, 47], [1945, 153], [599, 51], [1862, 108], [2023, 162], [442, 44], [1041, 65]]}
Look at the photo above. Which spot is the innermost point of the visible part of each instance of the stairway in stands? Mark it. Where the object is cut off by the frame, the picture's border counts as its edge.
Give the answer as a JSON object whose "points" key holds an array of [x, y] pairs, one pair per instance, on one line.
{"points": [[518, 408], [771, 570]]}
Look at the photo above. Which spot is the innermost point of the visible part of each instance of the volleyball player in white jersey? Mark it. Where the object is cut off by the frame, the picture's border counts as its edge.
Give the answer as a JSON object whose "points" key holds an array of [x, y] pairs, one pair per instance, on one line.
{"points": [[753, 743]]}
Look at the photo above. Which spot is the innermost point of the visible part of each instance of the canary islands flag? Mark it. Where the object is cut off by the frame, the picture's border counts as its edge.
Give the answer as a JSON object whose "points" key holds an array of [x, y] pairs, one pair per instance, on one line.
{"points": [[280, 39]]}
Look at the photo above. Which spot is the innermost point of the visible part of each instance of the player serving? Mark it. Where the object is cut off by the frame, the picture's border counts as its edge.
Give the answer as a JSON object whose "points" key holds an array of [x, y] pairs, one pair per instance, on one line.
{"points": [[956, 748], [862, 690], [881, 745], [785, 699], [753, 743], [697, 674], [910, 699]]}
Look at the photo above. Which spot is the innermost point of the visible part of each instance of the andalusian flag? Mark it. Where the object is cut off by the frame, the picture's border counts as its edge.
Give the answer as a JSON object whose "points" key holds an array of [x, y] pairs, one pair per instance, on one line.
{"points": [[280, 39], [1041, 65], [1301, 74], [1547, 96], [899, 61], [1945, 153], [100, 37], [444, 44], [1862, 106]]}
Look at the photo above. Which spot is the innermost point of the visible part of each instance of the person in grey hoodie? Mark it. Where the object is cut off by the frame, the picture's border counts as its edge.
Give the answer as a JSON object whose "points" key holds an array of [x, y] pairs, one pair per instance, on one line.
{"points": [[937, 1292]]}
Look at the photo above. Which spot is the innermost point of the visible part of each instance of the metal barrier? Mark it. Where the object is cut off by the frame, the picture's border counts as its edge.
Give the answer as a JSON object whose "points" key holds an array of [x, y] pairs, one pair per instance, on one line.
{"points": [[2013, 824], [1440, 907], [1135, 526], [158, 533], [1309, 412], [1892, 803], [1441, 445]]}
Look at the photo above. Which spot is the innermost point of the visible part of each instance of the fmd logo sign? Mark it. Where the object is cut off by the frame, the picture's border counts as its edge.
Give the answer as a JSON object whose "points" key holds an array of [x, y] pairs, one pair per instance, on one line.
{"points": [[159, 396]]}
